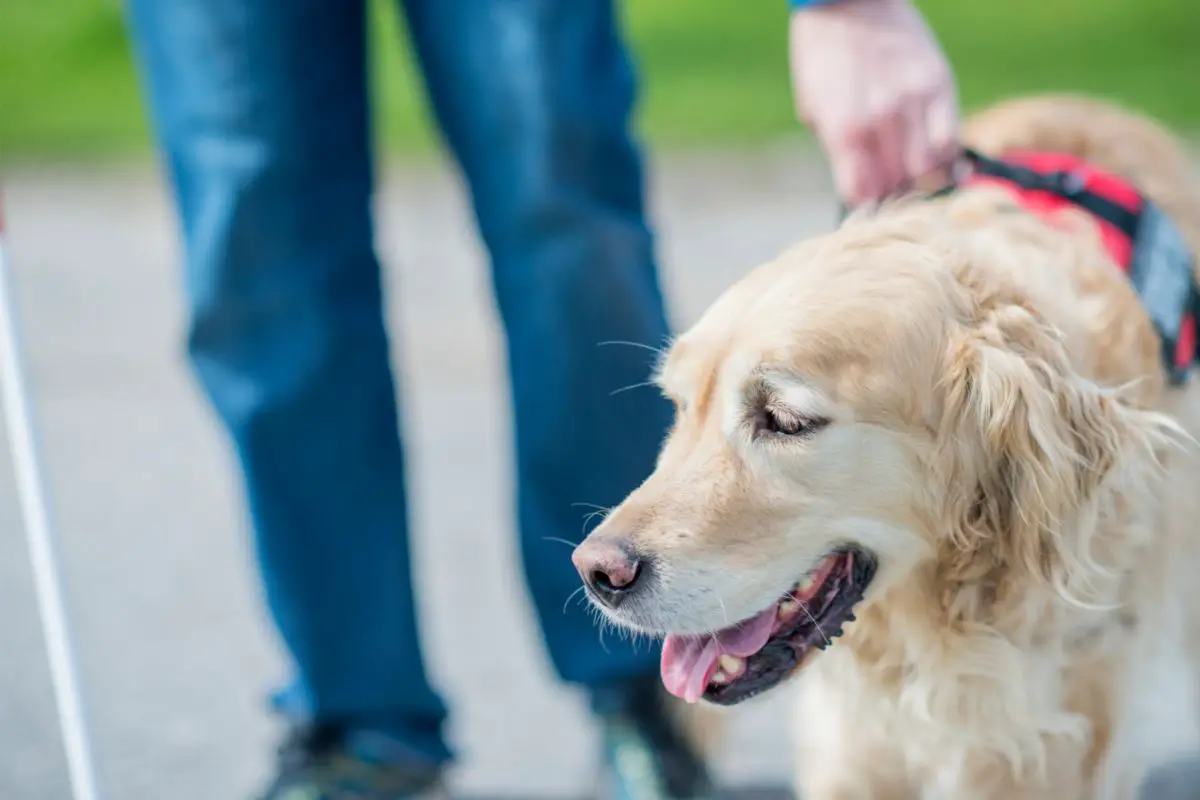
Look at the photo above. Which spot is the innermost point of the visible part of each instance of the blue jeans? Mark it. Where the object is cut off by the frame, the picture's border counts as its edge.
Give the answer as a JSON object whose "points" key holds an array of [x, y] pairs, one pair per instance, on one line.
{"points": [[261, 110]]}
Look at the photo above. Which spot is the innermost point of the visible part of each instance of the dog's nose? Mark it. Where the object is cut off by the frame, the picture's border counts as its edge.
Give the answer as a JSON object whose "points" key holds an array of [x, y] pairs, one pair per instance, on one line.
{"points": [[609, 566]]}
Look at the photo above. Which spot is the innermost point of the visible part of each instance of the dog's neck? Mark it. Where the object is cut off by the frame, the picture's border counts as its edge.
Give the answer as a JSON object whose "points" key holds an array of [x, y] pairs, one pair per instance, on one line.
{"points": [[948, 603], [954, 648], [969, 681]]}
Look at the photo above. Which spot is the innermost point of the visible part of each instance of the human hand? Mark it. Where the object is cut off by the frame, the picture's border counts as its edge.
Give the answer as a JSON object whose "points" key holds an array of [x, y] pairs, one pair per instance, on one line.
{"points": [[873, 84]]}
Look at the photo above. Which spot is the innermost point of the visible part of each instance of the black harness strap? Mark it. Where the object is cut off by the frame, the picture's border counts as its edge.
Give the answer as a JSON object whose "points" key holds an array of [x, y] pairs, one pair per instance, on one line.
{"points": [[1068, 185], [1064, 184]]}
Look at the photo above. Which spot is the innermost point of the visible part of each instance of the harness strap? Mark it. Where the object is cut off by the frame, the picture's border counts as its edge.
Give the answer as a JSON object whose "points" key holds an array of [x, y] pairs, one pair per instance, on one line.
{"points": [[1068, 185], [1138, 236]]}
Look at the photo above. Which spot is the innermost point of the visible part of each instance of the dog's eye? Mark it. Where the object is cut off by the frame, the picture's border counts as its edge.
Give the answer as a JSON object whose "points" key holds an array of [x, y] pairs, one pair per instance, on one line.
{"points": [[783, 422]]}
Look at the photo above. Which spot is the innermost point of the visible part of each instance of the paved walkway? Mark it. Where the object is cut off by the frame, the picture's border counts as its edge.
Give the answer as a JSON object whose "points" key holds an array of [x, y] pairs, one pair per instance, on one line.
{"points": [[174, 642]]}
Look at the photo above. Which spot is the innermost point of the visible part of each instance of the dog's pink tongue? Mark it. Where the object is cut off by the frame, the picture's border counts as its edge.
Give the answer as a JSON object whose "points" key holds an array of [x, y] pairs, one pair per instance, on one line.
{"points": [[689, 662]]}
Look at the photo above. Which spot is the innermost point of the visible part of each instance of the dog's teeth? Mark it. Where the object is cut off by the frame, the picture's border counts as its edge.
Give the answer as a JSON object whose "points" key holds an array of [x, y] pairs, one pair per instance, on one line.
{"points": [[731, 665], [719, 679], [787, 610], [806, 585]]}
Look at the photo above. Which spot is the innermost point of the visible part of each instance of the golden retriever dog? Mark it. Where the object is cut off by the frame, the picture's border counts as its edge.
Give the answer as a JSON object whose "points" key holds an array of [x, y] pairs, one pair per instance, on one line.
{"points": [[930, 465]]}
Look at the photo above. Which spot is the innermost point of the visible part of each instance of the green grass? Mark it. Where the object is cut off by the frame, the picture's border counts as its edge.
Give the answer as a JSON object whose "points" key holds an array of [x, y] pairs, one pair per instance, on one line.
{"points": [[714, 71]]}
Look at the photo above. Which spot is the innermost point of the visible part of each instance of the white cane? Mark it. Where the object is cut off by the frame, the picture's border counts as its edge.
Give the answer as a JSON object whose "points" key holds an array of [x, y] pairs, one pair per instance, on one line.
{"points": [[18, 418]]}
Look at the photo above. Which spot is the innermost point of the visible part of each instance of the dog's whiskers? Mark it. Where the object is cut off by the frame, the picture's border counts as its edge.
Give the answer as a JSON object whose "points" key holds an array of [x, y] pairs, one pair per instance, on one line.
{"points": [[631, 386], [604, 625], [817, 625], [657, 350], [598, 511], [571, 597], [724, 611], [602, 513], [560, 540]]}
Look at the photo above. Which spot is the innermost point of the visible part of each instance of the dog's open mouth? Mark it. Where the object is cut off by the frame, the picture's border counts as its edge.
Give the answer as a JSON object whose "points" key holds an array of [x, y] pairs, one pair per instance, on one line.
{"points": [[734, 664]]}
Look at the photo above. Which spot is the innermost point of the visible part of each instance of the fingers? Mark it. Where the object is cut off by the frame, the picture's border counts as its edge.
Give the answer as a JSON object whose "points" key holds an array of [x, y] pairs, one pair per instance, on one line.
{"points": [[932, 143], [879, 158], [918, 156], [855, 158], [913, 144], [867, 155], [892, 134], [942, 128]]}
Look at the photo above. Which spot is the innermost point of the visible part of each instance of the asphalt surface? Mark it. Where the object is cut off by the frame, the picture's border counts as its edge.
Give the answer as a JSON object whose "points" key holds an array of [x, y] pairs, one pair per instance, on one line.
{"points": [[175, 649]]}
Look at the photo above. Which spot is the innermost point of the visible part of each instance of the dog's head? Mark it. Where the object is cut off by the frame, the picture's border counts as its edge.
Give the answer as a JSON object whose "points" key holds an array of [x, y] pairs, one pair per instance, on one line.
{"points": [[874, 402]]}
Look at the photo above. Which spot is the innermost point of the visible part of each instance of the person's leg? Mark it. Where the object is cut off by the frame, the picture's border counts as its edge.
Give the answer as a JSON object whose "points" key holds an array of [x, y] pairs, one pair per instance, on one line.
{"points": [[261, 111], [535, 98]]}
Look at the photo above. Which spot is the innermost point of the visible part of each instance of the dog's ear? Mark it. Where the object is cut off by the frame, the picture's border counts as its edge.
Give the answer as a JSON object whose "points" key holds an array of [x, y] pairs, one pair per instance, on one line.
{"points": [[1028, 443]]}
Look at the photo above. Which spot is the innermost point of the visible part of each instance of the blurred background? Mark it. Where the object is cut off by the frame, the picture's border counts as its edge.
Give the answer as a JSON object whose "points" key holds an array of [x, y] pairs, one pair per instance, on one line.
{"points": [[713, 70], [175, 649]]}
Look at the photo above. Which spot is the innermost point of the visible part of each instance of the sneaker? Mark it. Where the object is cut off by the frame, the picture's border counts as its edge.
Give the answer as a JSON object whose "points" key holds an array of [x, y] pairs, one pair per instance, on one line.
{"points": [[317, 763], [647, 756]]}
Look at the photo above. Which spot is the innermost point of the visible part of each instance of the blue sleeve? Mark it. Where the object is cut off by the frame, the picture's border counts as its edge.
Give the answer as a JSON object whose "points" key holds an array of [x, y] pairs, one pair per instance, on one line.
{"points": [[795, 4]]}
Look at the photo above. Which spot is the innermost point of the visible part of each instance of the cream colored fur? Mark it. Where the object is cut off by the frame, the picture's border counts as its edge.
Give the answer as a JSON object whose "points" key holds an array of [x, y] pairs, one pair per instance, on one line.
{"points": [[1001, 437]]}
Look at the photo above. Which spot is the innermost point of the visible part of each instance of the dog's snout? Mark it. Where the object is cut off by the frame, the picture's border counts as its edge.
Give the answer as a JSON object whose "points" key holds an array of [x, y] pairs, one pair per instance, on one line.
{"points": [[609, 566]]}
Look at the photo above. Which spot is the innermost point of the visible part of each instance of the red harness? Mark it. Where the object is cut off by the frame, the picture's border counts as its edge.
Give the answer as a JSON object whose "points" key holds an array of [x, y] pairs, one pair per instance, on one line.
{"points": [[1118, 240], [1045, 183]]}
